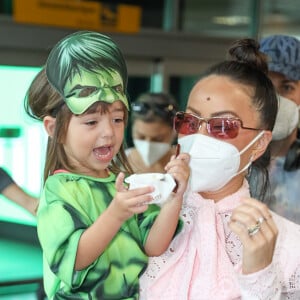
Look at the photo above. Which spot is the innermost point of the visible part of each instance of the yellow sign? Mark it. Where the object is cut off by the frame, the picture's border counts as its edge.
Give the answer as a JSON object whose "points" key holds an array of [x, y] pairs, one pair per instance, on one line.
{"points": [[78, 14]]}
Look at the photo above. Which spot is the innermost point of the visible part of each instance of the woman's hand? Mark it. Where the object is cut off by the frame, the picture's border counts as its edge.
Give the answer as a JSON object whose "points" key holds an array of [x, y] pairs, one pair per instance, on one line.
{"points": [[252, 222], [179, 168], [129, 202]]}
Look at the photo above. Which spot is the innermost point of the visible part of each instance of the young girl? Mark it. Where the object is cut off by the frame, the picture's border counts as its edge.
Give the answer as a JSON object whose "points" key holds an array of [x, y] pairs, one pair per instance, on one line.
{"points": [[94, 232], [231, 246]]}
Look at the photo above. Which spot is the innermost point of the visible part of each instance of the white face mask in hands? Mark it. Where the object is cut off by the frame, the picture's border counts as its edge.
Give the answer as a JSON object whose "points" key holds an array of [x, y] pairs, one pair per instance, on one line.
{"points": [[163, 185], [151, 152], [213, 162]]}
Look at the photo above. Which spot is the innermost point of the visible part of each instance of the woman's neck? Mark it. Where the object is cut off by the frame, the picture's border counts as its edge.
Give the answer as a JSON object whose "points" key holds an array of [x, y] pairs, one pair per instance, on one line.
{"points": [[230, 188]]}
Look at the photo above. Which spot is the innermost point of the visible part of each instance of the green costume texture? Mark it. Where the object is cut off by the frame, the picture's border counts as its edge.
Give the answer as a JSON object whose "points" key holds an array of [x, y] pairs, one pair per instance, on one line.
{"points": [[69, 205]]}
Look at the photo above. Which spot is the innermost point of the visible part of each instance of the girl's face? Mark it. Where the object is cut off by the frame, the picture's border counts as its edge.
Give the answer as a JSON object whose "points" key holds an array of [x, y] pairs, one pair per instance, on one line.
{"points": [[93, 139], [218, 96]]}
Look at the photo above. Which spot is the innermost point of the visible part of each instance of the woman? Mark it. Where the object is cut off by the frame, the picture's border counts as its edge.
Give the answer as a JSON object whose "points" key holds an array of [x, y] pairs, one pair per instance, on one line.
{"points": [[231, 245], [152, 132]]}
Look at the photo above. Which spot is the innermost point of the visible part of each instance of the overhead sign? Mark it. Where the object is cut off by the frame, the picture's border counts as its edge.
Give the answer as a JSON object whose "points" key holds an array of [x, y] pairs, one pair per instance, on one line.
{"points": [[79, 14]]}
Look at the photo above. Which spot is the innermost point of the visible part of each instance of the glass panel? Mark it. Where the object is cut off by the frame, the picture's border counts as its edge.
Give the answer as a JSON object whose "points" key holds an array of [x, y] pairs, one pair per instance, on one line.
{"points": [[152, 13], [217, 18], [281, 17]]}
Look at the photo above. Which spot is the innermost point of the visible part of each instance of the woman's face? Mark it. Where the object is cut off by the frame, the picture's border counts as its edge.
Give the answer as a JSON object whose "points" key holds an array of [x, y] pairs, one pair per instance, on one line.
{"points": [[218, 96]]}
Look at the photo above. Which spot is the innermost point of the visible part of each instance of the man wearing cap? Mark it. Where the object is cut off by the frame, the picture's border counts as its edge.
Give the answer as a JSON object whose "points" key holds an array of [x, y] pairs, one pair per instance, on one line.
{"points": [[284, 70], [283, 53]]}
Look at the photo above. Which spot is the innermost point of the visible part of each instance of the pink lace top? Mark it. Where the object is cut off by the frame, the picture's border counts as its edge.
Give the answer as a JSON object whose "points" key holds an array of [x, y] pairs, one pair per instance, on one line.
{"points": [[204, 260]]}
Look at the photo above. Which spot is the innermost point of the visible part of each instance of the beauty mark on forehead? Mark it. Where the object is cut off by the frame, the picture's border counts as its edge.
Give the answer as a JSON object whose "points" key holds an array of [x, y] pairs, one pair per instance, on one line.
{"points": [[208, 98]]}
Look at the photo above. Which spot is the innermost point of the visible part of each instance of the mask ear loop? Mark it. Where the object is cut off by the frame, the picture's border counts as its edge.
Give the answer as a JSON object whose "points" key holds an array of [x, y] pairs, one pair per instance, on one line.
{"points": [[248, 165], [252, 142]]}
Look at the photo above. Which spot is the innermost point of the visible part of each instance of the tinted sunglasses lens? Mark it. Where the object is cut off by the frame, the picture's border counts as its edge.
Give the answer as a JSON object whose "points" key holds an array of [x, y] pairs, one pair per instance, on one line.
{"points": [[186, 124], [223, 128], [140, 108]]}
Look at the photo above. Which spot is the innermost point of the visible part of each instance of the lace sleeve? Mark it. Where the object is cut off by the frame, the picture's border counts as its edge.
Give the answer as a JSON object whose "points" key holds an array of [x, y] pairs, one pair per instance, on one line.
{"points": [[263, 285], [281, 279]]}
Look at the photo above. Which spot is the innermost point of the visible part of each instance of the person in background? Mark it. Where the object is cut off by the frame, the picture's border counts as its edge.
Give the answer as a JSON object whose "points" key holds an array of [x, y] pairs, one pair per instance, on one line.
{"points": [[152, 117], [15, 193], [283, 54], [232, 246], [95, 232]]}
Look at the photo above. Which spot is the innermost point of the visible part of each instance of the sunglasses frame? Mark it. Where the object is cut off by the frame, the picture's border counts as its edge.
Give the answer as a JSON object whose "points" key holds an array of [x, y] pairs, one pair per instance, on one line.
{"points": [[206, 120], [160, 109]]}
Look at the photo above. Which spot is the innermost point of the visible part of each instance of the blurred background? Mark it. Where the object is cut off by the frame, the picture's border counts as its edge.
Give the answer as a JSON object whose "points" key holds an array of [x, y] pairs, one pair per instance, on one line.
{"points": [[166, 44]]}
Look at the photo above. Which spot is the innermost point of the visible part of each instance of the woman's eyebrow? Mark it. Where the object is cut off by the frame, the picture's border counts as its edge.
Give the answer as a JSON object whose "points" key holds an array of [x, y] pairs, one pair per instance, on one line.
{"points": [[225, 112], [216, 114]]}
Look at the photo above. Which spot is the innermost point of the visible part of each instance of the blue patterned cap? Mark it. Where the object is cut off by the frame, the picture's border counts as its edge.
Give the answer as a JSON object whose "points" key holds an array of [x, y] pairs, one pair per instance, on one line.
{"points": [[283, 53]]}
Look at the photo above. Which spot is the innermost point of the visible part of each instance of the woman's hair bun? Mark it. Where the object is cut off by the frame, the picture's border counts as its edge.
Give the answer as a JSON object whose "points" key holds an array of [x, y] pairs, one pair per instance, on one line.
{"points": [[247, 51]]}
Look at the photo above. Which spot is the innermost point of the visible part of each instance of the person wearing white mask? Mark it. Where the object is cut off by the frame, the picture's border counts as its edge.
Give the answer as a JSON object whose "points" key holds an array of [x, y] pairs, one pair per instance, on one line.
{"points": [[232, 246], [152, 132], [283, 54]]}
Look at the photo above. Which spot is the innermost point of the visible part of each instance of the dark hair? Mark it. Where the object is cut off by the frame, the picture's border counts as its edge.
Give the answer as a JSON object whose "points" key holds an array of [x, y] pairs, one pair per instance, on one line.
{"points": [[153, 107], [248, 66], [41, 99]]}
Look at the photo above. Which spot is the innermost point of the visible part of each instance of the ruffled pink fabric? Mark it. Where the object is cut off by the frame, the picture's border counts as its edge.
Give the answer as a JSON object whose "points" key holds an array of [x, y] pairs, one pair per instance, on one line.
{"points": [[204, 260]]}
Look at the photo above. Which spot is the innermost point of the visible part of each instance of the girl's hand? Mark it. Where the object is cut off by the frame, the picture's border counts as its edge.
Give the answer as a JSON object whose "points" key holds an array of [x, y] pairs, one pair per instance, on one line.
{"points": [[179, 168], [126, 202], [254, 225]]}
